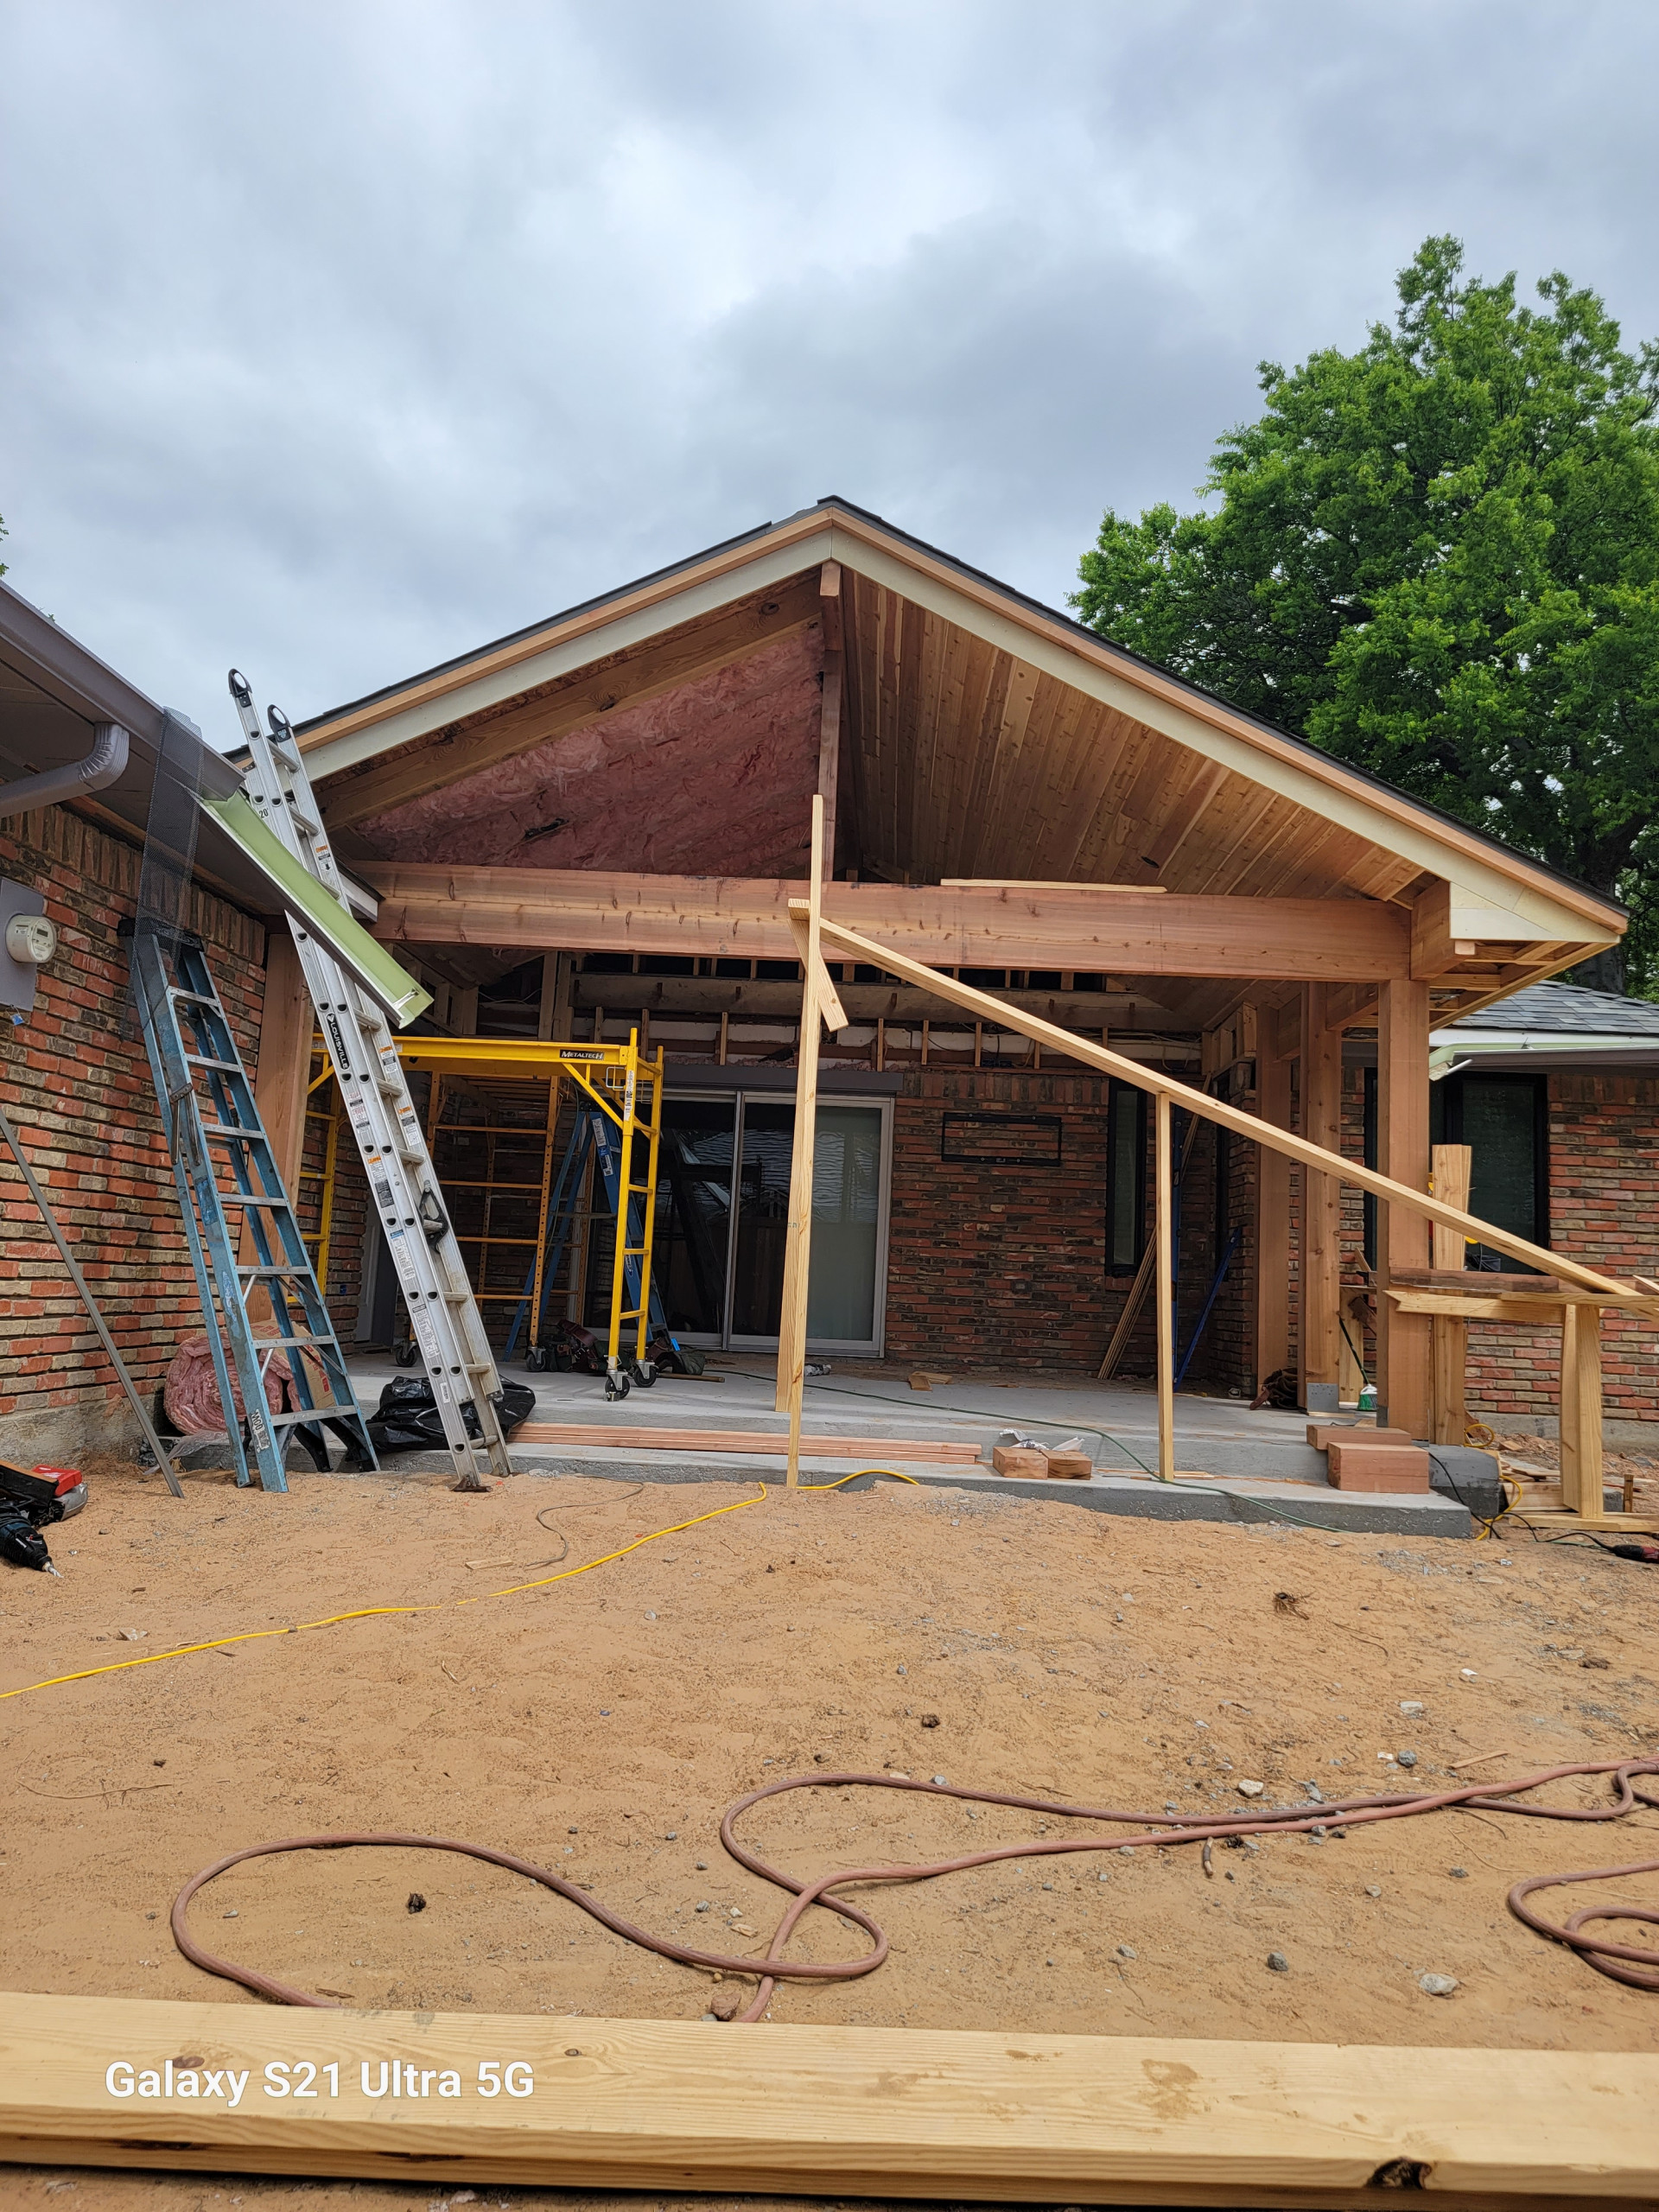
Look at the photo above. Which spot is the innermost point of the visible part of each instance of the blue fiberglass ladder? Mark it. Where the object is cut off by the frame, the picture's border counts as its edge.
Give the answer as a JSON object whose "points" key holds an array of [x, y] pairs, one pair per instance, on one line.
{"points": [[213, 1131]]}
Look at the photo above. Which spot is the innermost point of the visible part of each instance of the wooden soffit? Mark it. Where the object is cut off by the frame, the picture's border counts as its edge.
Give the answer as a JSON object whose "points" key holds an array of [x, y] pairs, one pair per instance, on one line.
{"points": [[985, 737]]}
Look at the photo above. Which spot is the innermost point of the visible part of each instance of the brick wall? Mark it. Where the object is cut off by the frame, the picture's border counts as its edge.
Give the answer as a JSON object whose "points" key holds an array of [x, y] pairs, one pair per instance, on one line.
{"points": [[1005, 1264], [79, 1092], [1603, 1209]]}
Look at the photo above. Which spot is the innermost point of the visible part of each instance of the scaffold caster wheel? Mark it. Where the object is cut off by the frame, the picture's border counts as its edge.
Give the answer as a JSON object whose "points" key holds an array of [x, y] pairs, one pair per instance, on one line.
{"points": [[617, 1386], [403, 1355], [644, 1373], [537, 1359]]}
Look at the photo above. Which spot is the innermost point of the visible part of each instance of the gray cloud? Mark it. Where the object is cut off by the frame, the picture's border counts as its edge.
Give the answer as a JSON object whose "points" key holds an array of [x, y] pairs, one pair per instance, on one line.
{"points": [[341, 339]]}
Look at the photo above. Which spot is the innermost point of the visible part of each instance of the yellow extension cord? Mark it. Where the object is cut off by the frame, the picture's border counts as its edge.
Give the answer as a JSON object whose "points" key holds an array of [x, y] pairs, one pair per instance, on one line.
{"points": [[377, 1612]]}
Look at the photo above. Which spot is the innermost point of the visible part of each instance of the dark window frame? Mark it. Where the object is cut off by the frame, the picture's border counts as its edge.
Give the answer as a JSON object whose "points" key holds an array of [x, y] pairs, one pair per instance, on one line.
{"points": [[1449, 1098], [1126, 1097]]}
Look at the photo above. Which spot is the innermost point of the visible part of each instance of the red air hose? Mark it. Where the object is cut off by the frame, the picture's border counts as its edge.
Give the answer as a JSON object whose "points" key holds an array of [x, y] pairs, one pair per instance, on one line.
{"points": [[1614, 1960]]}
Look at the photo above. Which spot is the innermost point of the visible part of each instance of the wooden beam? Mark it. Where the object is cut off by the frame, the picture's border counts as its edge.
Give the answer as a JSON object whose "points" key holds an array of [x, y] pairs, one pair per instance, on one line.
{"points": [[773, 998], [1402, 1339], [1163, 1231], [1271, 1218], [1450, 1166], [797, 1250], [1320, 1336], [582, 1436], [990, 1008], [670, 2106], [1581, 1412], [281, 1082], [1078, 927], [463, 748]]}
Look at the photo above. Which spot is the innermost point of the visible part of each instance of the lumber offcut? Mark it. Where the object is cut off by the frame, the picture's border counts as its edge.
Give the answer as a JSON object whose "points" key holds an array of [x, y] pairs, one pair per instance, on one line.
{"points": [[575, 1436], [830, 2112]]}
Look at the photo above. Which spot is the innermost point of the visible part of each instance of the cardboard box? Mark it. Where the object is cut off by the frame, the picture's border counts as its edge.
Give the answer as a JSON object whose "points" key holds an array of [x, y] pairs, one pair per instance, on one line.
{"points": [[1378, 1467]]}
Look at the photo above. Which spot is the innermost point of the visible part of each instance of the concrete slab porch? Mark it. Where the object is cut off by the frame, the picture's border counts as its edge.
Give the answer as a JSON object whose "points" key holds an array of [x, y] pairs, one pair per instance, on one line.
{"points": [[1256, 1466]]}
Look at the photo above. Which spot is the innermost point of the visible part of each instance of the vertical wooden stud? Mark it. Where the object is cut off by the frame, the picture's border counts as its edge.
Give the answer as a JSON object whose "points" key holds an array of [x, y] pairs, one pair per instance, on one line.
{"points": [[1165, 1180], [1581, 1411], [1402, 1339], [797, 1253], [1271, 1215], [1448, 1336], [1320, 1332]]}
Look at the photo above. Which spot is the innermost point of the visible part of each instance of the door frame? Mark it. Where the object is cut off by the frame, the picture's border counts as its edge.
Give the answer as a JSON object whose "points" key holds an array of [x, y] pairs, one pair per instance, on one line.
{"points": [[845, 1347]]}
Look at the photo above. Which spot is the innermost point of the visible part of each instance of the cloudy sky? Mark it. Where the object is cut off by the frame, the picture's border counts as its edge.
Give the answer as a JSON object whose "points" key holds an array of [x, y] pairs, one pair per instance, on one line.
{"points": [[336, 339]]}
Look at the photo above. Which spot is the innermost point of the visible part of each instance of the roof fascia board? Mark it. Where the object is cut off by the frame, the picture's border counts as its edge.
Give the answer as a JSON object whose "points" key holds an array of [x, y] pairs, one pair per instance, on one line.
{"points": [[1545, 911], [565, 647]]}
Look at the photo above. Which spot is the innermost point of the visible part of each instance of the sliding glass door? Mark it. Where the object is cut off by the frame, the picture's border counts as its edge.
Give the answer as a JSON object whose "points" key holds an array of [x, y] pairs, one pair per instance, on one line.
{"points": [[722, 1220]]}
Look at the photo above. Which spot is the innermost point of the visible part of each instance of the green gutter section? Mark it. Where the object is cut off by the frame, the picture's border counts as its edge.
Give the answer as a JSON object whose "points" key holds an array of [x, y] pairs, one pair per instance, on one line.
{"points": [[307, 901]]}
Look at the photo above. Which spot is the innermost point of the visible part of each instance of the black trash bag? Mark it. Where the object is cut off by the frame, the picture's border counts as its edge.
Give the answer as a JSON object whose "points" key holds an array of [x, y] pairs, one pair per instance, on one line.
{"points": [[24, 1545], [407, 1418]]}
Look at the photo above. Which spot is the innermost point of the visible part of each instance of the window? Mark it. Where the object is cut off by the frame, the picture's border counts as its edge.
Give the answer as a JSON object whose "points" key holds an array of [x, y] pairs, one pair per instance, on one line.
{"points": [[1126, 1178], [1503, 1119]]}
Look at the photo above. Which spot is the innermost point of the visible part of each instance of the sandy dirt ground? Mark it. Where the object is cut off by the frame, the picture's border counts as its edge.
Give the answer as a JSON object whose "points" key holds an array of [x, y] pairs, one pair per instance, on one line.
{"points": [[599, 1726]]}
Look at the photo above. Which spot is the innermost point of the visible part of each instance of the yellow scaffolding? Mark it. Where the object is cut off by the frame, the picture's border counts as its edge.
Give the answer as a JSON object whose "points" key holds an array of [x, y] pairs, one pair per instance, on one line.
{"points": [[626, 1086], [322, 1235]]}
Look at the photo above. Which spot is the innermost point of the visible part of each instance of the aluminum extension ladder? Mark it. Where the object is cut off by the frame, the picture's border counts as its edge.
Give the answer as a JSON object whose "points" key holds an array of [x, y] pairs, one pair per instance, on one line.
{"points": [[213, 1126], [447, 1328]]}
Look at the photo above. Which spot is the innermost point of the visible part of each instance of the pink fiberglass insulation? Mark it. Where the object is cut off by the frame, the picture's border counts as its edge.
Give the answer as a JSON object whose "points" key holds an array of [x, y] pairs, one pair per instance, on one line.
{"points": [[190, 1393], [713, 779]]}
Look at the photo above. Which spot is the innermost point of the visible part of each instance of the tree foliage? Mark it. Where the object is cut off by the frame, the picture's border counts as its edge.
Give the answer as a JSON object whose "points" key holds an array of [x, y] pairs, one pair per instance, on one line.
{"points": [[1438, 557]]}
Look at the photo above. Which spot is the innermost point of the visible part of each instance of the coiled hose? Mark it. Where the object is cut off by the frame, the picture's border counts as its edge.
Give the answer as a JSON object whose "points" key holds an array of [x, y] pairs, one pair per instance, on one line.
{"points": [[1637, 1967]]}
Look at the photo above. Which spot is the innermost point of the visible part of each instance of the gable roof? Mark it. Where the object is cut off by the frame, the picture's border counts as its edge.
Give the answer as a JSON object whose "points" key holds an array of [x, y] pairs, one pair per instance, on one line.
{"points": [[988, 735]]}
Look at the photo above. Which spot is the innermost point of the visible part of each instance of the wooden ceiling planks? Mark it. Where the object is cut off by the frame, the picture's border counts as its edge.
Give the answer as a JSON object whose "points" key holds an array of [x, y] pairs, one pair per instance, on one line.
{"points": [[968, 760]]}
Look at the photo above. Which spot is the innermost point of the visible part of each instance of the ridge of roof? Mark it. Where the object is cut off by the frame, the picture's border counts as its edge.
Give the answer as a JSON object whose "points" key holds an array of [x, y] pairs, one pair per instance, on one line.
{"points": [[834, 503], [534, 629]]}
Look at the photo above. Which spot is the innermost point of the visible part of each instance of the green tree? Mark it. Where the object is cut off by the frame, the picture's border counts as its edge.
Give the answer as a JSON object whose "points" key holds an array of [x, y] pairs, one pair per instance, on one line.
{"points": [[1438, 557]]}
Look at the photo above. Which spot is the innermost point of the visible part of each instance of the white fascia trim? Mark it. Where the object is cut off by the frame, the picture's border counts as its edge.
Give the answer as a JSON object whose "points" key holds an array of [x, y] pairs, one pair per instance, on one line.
{"points": [[636, 627], [1506, 910], [1534, 1040]]}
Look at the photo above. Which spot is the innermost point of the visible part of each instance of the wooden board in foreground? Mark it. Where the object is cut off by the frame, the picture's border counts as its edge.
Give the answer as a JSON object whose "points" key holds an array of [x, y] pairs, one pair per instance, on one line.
{"points": [[828, 2111], [577, 1436]]}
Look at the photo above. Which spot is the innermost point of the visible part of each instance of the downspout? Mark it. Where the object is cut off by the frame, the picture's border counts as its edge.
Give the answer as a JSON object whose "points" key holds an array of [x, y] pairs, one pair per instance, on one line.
{"points": [[102, 766]]}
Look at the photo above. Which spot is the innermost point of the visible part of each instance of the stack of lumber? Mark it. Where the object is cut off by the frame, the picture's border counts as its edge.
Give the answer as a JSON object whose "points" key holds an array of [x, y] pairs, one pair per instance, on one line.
{"points": [[819, 2112]]}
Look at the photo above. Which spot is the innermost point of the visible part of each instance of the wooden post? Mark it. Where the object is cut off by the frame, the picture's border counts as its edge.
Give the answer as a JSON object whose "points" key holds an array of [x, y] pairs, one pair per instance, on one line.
{"points": [[1165, 1292], [1581, 1411], [1402, 1339], [798, 1252], [1448, 1335], [553, 1012], [1272, 1212], [1321, 1333], [282, 1071]]}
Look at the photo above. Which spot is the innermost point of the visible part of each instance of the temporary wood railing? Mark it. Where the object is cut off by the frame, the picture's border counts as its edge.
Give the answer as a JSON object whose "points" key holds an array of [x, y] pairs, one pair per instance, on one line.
{"points": [[1575, 1309], [817, 2112]]}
